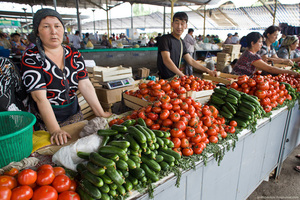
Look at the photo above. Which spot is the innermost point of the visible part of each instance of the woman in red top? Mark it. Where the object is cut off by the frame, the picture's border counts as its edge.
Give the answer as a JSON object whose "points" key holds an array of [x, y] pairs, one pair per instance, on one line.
{"points": [[250, 61], [52, 73]]}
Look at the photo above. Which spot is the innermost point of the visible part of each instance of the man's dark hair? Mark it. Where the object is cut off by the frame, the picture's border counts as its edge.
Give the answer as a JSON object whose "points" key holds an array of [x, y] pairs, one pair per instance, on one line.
{"points": [[270, 30], [181, 16], [190, 30], [77, 32], [253, 37]]}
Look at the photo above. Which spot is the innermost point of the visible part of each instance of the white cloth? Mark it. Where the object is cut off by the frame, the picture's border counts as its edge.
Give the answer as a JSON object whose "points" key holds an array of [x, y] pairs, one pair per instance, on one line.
{"points": [[76, 41], [235, 39], [190, 43]]}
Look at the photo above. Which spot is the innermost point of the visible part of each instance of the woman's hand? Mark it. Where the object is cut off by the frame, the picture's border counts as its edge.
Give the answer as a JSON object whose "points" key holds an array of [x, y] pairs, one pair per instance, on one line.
{"points": [[213, 73], [106, 114], [60, 137], [288, 62]]}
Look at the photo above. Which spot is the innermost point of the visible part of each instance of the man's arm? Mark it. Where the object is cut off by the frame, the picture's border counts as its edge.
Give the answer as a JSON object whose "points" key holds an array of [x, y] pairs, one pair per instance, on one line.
{"points": [[170, 64], [197, 65]]}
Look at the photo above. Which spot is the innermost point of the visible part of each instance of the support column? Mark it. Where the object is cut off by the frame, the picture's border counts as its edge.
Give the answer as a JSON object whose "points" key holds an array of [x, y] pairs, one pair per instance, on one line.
{"points": [[164, 25], [78, 18], [107, 19], [204, 19]]}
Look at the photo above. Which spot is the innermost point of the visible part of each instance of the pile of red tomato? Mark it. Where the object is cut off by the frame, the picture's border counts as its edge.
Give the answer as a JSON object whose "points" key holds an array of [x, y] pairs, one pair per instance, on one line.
{"points": [[269, 91], [290, 79], [48, 183], [155, 90], [191, 125]]}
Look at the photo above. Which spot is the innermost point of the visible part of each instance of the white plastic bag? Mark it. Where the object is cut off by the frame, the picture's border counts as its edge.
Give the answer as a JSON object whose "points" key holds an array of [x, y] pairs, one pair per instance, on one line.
{"points": [[67, 156]]}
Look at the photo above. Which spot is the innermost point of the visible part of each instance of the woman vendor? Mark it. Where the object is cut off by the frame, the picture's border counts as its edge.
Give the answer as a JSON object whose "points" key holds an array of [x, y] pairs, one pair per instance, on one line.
{"points": [[267, 51], [288, 49], [250, 61], [52, 73]]}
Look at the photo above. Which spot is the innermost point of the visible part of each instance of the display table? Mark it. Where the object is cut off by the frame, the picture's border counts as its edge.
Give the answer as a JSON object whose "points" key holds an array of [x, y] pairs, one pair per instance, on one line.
{"points": [[242, 170], [127, 57]]}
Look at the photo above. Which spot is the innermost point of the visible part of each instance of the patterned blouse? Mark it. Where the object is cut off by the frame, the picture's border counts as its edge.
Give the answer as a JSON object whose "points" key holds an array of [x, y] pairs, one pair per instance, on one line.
{"points": [[61, 85], [244, 64]]}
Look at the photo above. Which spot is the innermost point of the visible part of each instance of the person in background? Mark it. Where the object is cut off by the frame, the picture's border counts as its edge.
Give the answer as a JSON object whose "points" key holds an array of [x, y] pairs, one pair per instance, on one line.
{"points": [[105, 42], [171, 49], [66, 39], [206, 39], [283, 36], [217, 39], [235, 38], [76, 40], [228, 39], [200, 38], [190, 42], [151, 42], [17, 46], [86, 39], [288, 49], [31, 41], [267, 51], [4, 42], [52, 73], [96, 37], [228, 68], [243, 43], [157, 39], [250, 61]]}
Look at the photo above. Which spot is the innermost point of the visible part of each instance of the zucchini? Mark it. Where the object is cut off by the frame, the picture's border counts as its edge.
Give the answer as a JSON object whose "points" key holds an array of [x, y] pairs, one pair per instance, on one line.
{"points": [[138, 173], [136, 134], [105, 139], [133, 153], [133, 144], [234, 92], [167, 157], [125, 157], [107, 132], [250, 98], [104, 189], [114, 175], [121, 164], [248, 106], [220, 91], [83, 195], [142, 122], [151, 163], [164, 165], [119, 136], [121, 190], [216, 100], [226, 115], [120, 143], [245, 110], [145, 132], [113, 186], [243, 115], [125, 173], [149, 173], [108, 149], [159, 158], [151, 146], [176, 155], [128, 122], [231, 97], [225, 109], [221, 96], [136, 159], [89, 188], [94, 169], [83, 155], [119, 128], [113, 193], [152, 155], [231, 100], [95, 180], [128, 185], [153, 136], [101, 161], [160, 142]]}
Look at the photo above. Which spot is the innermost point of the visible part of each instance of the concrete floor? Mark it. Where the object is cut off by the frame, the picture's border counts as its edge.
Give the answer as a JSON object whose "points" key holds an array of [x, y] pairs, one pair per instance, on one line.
{"points": [[286, 187]]}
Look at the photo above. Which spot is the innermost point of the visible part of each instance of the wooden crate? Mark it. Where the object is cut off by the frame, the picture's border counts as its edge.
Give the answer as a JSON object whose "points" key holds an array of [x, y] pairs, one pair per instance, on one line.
{"points": [[223, 57], [232, 48], [134, 102], [86, 110], [200, 96], [223, 78], [143, 72], [105, 74]]}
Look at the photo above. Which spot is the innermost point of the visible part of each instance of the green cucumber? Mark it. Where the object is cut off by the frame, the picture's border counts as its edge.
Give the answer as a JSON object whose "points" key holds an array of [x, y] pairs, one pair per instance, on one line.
{"points": [[225, 109], [81, 168], [231, 100], [121, 190], [158, 133], [89, 188], [149, 173], [120, 143], [174, 154], [134, 153], [225, 114], [104, 197], [167, 157], [131, 164], [153, 136], [128, 185], [125, 173], [138, 173], [142, 122], [121, 164], [164, 165], [231, 97], [113, 186], [137, 135], [220, 91], [160, 142], [136, 159], [133, 144], [243, 115], [240, 122], [114, 175], [167, 134], [217, 100], [221, 96], [104, 189], [101, 161], [112, 156], [95, 169], [83, 155], [113, 193], [107, 132], [105, 139], [95, 180], [234, 92], [133, 180], [84, 195], [245, 110], [151, 163], [128, 122], [119, 128], [145, 132], [159, 158], [230, 108], [108, 149], [248, 106]]}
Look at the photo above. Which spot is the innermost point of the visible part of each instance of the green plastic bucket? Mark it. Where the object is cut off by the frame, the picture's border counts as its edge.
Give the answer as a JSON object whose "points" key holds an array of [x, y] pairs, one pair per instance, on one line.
{"points": [[16, 128]]}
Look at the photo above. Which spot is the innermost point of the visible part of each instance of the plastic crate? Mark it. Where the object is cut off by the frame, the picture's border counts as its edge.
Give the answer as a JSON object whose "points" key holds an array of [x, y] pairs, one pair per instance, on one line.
{"points": [[15, 136]]}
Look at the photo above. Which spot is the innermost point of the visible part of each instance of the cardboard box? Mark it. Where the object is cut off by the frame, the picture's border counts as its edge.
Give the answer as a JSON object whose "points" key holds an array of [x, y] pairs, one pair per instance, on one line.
{"points": [[143, 72], [232, 48], [221, 65], [223, 57], [223, 78], [235, 56]]}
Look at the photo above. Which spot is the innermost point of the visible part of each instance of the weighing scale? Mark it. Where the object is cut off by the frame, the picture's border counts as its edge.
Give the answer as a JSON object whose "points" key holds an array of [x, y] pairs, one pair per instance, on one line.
{"points": [[118, 83]]}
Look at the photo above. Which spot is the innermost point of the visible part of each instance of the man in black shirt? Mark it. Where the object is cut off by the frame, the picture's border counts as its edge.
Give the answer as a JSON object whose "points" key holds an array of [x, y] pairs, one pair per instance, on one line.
{"points": [[171, 48]]}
